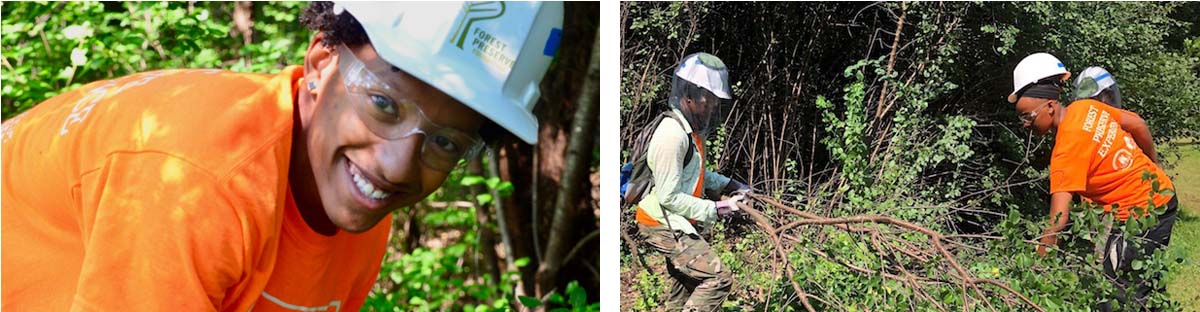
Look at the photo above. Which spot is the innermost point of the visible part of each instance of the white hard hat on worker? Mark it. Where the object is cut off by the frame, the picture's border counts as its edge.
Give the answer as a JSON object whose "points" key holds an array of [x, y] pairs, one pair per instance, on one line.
{"points": [[491, 56], [1036, 68], [699, 88]]}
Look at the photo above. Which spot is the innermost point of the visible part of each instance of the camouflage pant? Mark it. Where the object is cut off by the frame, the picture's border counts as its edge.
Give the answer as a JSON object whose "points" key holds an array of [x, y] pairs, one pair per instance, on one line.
{"points": [[699, 282]]}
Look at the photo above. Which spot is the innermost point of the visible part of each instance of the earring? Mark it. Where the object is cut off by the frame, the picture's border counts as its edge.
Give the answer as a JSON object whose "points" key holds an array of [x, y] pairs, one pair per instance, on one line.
{"points": [[312, 85]]}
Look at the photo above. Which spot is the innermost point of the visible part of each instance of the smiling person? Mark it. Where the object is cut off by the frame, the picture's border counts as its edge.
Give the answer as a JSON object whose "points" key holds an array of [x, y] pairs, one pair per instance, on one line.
{"points": [[211, 190], [1097, 156]]}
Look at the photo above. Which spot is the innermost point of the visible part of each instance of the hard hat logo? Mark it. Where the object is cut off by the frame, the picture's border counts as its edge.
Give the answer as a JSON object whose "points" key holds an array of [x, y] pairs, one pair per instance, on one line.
{"points": [[484, 44], [480, 11]]}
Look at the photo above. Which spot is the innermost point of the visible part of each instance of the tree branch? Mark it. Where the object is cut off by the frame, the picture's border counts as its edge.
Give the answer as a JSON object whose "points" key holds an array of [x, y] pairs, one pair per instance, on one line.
{"points": [[578, 158]]}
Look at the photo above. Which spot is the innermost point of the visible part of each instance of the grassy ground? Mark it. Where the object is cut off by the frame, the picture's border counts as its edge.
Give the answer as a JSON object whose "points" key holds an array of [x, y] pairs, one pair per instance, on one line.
{"points": [[1184, 281]]}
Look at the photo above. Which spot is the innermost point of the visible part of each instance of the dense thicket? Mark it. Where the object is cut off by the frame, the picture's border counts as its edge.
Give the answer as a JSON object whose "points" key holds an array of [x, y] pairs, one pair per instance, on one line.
{"points": [[899, 109]]}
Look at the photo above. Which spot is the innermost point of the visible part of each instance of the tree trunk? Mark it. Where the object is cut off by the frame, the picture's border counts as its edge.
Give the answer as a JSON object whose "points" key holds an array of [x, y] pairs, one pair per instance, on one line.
{"points": [[487, 238], [578, 161]]}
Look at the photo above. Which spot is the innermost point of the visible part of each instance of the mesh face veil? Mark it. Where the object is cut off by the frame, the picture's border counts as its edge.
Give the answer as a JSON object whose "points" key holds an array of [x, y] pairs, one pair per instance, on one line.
{"points": [[392, 115], [704, 113], [702, 78]]}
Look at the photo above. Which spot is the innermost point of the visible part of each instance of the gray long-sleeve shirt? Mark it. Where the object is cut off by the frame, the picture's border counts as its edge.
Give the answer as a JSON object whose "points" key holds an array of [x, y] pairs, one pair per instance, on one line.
{"points": [[674, 181]]}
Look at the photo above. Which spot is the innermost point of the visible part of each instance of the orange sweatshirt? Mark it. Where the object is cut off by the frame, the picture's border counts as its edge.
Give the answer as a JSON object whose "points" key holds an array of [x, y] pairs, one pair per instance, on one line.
{"points": [[167, 190], [1097, 159]]}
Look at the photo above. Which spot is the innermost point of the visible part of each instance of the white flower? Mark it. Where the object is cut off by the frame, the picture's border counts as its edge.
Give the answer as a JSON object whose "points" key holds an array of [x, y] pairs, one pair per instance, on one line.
{"points": [[67, 73], [78, 57], [77, 32]]}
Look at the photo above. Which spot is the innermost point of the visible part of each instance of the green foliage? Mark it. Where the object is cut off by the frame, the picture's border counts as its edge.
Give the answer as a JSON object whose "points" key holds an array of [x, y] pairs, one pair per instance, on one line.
{"points": [[430, 279], [648, 284], [881, 178], [436, 279], [1129, 39], [55, 47], [576, 300], [644, 79]]}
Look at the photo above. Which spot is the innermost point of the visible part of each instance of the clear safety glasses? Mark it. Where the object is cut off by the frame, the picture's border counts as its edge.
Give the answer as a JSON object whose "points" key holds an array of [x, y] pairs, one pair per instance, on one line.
{"points": [[390, 114], [1028, 118]]}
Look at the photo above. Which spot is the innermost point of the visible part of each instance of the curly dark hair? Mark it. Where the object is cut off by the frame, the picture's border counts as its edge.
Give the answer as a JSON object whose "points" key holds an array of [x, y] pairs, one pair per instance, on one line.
{"points": [[345, 29], [338, 28]]}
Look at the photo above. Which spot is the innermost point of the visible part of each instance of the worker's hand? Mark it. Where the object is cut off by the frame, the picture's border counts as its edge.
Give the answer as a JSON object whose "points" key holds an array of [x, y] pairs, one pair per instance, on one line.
{"points": [[1049, 238], [735, 186], [728, 207]]}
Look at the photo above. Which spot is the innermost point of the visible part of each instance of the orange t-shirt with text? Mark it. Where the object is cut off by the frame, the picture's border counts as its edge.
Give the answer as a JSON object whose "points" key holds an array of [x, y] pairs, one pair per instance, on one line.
{"points": [[323, 273], [1098, 160], [164, 190]]}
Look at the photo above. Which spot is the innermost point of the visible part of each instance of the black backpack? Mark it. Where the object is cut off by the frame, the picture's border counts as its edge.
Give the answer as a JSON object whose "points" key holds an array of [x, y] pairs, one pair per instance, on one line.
{"points": [[636, 179]]}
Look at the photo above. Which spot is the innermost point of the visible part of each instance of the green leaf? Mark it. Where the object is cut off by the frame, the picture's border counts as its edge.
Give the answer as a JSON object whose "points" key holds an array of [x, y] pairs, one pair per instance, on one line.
{"points": [[529, 302], [471, 180], [521, 262], [483, 199], [396, 276], [578, 296], [555, 298], [505, 188]]}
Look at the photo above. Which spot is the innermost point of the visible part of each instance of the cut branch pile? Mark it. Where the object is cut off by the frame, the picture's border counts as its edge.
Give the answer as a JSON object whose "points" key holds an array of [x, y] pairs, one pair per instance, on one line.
{"points": [[902, 256]]}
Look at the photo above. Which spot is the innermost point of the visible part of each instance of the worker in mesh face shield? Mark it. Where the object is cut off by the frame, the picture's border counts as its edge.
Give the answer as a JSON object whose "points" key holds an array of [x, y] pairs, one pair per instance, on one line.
{"points": [[669, 214]]}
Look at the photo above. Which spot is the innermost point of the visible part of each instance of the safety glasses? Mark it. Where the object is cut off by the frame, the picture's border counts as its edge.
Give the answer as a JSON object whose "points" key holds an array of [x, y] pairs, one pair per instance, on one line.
{"points": [[392, 115], [1028, 118]]}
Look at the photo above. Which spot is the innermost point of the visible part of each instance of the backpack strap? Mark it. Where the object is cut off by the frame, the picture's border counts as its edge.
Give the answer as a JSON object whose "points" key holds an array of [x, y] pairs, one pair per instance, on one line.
{"points": [[687, 158]]}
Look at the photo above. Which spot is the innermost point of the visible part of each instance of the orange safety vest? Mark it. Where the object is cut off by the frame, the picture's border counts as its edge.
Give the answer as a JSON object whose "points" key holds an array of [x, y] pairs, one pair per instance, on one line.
{"points": [[645, 218]]}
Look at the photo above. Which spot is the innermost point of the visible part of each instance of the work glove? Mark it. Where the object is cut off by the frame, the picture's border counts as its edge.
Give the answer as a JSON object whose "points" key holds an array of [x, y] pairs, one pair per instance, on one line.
{"points": [[735, 186], [728, 207]]}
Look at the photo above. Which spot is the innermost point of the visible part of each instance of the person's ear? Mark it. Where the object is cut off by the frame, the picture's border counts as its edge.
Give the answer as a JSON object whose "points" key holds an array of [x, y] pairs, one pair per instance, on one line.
{"points": [[318, 62], [1053, 105]]}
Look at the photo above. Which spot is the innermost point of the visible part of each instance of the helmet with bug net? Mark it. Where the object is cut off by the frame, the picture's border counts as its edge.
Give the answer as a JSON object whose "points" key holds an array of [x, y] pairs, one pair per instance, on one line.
{"points": [[1098, 84], [702, 79]]}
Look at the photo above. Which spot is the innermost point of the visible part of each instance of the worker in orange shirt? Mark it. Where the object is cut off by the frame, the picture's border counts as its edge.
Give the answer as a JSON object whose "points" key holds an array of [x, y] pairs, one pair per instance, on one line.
{"points": [[205, 190], [1100, 153]]}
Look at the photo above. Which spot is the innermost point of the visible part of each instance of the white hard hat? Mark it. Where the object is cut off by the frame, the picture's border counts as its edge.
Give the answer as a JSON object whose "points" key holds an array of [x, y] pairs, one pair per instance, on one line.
{"points": [[1034, 68], [706, 71], [491, 56], [1103, 80]]}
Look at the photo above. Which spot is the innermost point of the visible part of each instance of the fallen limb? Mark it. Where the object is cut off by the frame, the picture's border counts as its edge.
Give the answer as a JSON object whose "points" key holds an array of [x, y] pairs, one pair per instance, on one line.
{"points": [[967, 282], [765, 224]]}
